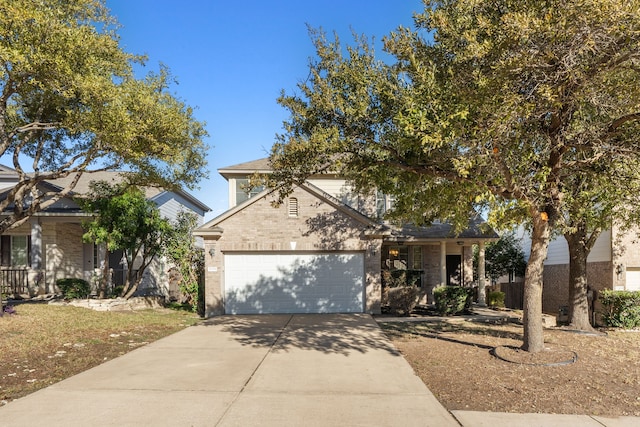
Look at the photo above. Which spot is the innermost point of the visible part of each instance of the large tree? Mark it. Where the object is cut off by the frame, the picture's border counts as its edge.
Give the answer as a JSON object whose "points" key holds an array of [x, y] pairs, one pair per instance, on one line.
{"points": [[595, 203], [499, 104], [70, 102]]}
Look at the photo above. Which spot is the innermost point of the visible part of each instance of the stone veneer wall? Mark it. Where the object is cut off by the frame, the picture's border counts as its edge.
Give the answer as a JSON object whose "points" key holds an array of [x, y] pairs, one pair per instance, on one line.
{"points": [[262, 227]]}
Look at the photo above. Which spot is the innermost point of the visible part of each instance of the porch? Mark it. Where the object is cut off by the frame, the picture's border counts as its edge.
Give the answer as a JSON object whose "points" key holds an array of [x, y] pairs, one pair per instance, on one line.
{"points": [[431, 264], [14, 281]]}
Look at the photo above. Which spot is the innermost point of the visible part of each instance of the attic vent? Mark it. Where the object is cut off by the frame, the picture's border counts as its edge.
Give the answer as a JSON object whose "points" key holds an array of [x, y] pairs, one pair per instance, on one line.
{"points": [[293, 206]]}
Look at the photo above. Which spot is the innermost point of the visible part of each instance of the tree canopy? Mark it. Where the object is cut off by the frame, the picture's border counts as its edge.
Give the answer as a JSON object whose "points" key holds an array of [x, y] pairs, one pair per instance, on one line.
{"points": [[503, 258], [70, 102], [495, 104], [125, 220]]}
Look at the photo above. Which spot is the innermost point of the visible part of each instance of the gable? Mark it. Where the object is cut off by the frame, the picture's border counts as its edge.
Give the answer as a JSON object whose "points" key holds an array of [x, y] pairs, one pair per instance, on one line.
{"points": [[319, 224]]}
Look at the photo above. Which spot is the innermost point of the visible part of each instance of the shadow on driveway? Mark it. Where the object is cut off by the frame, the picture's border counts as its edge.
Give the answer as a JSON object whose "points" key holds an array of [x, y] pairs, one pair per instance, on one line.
{"points": [[335, 333]]}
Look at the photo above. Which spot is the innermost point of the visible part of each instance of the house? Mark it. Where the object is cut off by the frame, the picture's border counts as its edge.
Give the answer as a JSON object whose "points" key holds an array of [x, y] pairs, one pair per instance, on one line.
{"points": [[322, 251], [49, 245], [613, 263]]}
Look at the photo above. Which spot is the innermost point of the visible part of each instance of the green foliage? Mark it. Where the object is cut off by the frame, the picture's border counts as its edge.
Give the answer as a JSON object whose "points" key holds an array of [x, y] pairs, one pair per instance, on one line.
{"points": [[395, 278], [71, 102], [125, 219], [181, 249], [621, 308], [73, 288], [503, 257], [495, 299], [452, 300], [504, 106]]}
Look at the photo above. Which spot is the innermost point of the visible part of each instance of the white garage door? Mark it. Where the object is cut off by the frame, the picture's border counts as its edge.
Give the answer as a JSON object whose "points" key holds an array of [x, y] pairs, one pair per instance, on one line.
{"points": [[294, 283]]}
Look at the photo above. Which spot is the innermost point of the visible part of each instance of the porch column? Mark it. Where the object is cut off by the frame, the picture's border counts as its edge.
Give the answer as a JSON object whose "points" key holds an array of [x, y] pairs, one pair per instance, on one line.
{"points": [[36, 244], [482, 292], [443, 263]]}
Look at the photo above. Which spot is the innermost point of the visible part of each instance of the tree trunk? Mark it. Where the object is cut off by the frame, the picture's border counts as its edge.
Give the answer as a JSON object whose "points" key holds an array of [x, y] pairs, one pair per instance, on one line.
{"points": [[105, 274], [578, 287], [532, 310]]}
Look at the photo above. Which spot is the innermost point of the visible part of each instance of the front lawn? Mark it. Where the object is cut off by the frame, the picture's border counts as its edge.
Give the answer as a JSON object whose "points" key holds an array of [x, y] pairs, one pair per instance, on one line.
{"points": [[43, 344], [454, 359]]}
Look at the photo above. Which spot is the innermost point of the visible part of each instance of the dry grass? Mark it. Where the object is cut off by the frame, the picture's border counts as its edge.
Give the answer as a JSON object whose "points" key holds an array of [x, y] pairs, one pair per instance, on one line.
{"points": [[454, 359], [43, 344]]}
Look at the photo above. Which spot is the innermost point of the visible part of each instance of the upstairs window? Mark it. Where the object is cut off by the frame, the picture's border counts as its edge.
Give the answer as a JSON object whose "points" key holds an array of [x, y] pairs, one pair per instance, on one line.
{"points": [[384, 203], [243, 192]]}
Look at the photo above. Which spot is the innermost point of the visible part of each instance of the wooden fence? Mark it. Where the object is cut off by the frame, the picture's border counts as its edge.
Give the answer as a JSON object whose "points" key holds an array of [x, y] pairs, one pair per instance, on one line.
{"points": [[513, 294]]}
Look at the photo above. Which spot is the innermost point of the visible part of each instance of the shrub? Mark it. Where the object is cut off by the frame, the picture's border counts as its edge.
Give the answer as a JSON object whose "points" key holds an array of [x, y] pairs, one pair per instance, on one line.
{"points": [[399, 291], [495, 299], [402, 299], [450, 300], [73, 288], [621, 308]]}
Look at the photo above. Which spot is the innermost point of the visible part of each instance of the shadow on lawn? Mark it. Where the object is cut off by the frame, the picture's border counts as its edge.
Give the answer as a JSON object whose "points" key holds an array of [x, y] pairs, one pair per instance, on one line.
{"points": [[443, 331]]}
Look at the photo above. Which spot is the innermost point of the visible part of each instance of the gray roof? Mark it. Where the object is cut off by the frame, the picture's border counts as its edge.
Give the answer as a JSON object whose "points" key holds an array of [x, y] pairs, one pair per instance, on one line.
{"points": [[260, 165], [477, 229], [112, 177]]}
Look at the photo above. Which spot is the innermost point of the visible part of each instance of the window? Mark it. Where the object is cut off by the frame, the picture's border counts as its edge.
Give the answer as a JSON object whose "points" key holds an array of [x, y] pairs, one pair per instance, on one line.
{"points": [[243, 192], [15, 251], [403, 261], [416, 261], [384, 203], [293, 207], [398, 258]]}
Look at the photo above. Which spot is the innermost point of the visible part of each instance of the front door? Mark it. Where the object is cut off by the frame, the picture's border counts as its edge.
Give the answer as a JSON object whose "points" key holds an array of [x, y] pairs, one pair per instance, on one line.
{"points": [[454, 270]]}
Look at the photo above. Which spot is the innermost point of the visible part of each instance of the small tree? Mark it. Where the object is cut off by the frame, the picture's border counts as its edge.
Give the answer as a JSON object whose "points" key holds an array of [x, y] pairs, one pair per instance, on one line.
{"points": [[504, 257], [125, 220], [181, 249]]}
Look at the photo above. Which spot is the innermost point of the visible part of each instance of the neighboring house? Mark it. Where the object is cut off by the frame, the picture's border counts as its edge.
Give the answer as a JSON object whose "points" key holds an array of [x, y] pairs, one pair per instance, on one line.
{"points": [[49, 245], [613, 263], [322, 251]]}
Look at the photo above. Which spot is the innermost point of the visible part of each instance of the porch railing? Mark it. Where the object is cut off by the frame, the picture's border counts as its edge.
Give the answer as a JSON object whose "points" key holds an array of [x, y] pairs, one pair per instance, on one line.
{"points": [[14, 281]]}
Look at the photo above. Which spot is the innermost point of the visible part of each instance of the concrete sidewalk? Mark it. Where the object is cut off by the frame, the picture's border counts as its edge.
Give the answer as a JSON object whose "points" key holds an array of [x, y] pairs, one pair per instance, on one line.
{"points": [[269, 370]]}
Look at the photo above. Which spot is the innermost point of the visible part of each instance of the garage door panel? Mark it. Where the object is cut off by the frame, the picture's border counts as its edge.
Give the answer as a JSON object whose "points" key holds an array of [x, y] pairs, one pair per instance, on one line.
{"points": [[288, 283]]}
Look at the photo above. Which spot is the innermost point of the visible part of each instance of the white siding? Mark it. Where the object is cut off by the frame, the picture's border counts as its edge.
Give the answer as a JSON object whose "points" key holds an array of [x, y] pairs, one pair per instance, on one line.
{"points": [[170, 204], [559, 250], [338, 188]]}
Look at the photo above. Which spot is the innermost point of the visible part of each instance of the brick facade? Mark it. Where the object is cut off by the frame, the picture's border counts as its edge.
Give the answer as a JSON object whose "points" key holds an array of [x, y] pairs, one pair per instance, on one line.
{"points": [[318, 227], [556, 284]]}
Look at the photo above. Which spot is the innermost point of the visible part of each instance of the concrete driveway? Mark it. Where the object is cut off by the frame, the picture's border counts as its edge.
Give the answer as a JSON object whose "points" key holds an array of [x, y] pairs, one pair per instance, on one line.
{"points": [[268, 370]]}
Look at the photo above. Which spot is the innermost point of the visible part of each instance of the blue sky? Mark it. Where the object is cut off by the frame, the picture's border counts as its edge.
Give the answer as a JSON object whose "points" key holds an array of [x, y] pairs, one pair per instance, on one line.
{"points": [[232, 59]]}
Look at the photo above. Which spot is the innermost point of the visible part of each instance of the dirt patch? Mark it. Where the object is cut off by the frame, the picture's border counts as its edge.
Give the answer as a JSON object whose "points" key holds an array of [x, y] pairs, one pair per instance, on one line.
{"points": [[584, 374]]}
